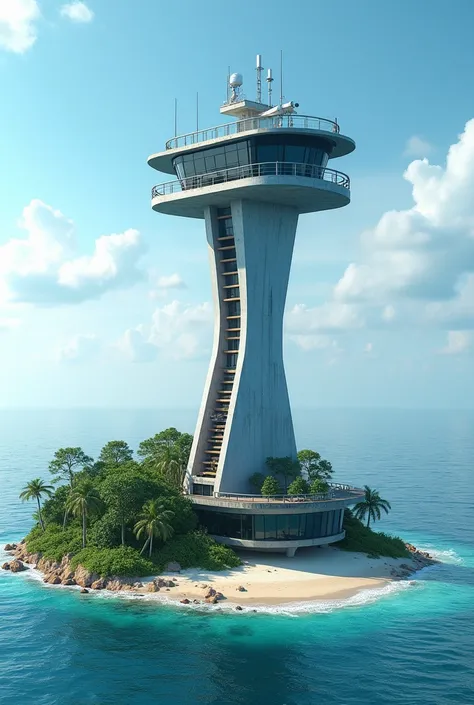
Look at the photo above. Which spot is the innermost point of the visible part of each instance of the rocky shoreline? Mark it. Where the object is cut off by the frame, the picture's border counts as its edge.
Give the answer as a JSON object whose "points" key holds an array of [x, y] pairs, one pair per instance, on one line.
{"points": [[61, 573]]}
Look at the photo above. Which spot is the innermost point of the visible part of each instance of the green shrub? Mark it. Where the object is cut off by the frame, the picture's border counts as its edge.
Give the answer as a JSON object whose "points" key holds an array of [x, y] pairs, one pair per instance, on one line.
{"points": [[105, 533], [55, 541], [271, 486], [363, 540], [123, 560], [298, 486], [54, 507], [196, 550], [318, 486]]}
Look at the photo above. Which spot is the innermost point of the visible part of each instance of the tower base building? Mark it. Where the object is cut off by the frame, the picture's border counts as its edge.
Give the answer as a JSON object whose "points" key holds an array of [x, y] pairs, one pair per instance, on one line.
{"points": [[249, 180]]}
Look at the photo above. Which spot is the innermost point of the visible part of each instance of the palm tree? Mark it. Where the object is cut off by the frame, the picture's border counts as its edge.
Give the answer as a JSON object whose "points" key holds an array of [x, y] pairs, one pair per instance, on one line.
{"points": [[173, 472], [35, 489], [370, 506], [83, 500], [154, 522]]}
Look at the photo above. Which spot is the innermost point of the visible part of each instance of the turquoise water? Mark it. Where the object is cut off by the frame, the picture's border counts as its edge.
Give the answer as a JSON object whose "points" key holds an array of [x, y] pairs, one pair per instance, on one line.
{"points": [[413, 645]]}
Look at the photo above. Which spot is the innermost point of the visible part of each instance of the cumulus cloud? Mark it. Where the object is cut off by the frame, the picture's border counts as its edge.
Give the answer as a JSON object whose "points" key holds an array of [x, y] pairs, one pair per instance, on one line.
{"points": [[418, 147], [329, 317], [79, 349], [44, 267], [77, 12], [424, 254], [18, 24], [459, 341], [179, 331], [135, 346], [165, 284]]}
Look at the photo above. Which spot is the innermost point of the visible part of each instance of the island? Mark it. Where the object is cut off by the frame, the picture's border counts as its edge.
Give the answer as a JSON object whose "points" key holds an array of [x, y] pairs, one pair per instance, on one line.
{"points": [[123, 524]]}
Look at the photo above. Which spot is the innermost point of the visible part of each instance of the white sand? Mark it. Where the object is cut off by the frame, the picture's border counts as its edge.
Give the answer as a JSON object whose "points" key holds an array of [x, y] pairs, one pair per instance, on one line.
{"points": [[313, 574]]}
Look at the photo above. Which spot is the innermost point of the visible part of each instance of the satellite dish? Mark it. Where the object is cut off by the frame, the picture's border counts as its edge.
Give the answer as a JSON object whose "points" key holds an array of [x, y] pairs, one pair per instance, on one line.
{"points": [[236, 80]]}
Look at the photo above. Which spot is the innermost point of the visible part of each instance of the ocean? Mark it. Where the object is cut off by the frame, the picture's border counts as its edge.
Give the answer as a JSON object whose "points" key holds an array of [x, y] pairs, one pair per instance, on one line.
{"points": [[409, 644]]}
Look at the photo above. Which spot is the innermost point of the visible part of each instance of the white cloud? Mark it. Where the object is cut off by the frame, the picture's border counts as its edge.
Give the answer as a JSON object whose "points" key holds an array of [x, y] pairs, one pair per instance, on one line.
{"points": [[330, 317], [173, 281], [313, 342], [8, 324], [418, 147], [179, 331], [459, 341], [389, 313], [45, 269], [369, 348], [77, 12], [79, 349], [18, 19], [424, 253], [134, 345]]}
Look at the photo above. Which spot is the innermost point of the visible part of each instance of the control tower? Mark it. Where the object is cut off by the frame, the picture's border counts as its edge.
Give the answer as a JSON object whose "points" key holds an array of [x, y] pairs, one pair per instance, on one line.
{"points": [[249, 180]]}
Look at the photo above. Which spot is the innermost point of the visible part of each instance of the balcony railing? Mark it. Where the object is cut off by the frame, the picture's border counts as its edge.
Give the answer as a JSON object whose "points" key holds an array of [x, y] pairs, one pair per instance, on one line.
{"points": [[309, 171], [336, 492], [300, 122]]}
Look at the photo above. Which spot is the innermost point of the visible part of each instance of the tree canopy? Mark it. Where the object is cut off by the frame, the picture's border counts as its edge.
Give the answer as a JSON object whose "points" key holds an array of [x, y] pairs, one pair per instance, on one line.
{"points": [[67, 462], [115, 453], [313, 466]]}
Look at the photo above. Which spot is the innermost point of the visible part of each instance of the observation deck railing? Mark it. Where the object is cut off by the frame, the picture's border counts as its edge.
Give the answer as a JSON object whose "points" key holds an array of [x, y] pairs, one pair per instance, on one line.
{"points": [[301, 122], [309, 171], [336, 491]]}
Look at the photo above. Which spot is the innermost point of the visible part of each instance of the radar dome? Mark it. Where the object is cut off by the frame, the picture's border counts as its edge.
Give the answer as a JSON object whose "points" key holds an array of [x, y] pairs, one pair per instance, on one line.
{"points": [[236, 80]]}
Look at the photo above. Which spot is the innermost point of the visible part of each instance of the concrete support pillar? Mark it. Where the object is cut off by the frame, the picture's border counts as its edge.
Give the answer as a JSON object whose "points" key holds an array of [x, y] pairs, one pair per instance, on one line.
{"points": [[290, 552]]}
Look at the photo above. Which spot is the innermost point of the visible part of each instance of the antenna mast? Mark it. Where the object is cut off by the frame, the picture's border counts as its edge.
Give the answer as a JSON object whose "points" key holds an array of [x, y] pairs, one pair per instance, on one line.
{"points": [[270, 81], [281, 76], [259, 78]]}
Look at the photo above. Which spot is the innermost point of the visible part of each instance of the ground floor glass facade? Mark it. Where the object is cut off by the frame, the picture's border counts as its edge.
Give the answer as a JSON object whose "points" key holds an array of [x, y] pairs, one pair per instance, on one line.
{"points": [[272, 527]]}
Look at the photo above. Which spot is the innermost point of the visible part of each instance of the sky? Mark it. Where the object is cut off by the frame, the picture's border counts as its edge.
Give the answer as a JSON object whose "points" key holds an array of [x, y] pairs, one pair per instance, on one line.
{"points": [[105, 303]]}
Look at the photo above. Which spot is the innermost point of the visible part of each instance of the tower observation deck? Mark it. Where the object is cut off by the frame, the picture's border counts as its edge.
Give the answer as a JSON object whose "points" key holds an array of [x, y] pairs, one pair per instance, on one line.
{"points": [[249, 180]]}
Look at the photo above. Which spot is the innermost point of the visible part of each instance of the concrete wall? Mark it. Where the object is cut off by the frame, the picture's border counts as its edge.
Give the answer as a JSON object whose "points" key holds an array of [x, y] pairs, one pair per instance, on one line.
{"points": [[259, 415]]}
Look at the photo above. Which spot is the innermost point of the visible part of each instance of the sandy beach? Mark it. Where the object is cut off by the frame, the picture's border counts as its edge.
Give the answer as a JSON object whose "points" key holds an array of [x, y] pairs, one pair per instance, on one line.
{"points": [[313, 574]]}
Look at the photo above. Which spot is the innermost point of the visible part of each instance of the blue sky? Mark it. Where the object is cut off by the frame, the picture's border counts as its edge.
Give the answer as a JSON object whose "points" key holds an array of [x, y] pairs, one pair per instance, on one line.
{"points": [[105, 303]]}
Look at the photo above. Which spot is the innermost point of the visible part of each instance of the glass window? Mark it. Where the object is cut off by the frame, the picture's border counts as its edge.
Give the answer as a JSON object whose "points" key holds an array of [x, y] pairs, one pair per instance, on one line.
{"points": [[324, 523], [231, 360], [294, 526], [270, 527], [247, 527], [259, 527], [283, 529], [294, 153], [316, 529], [302, 528]]}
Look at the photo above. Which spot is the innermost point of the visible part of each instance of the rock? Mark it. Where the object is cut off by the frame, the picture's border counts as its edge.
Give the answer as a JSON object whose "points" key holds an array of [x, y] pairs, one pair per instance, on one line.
{"points": [[84, 578], [6, 566], [167, 589], [54, 579], [212, 600], [204, 586], [173, 567], [17, 566], [152, 587], [239, 608], [98, 584], [68, 581], [219, 596], [10, 546], [241, 588], [185, 601], [405, 566], [84, 591], [196, 602], [113, 585], [210, 593], [170, 584], [137, 586]]}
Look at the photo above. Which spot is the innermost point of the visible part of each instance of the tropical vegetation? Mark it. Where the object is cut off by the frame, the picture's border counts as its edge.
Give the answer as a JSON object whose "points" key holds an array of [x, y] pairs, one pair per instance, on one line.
{"points": [[121, 515], [309, 473], [371, 506], [362, 539]]}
